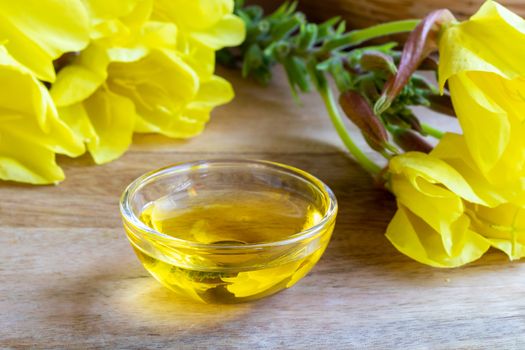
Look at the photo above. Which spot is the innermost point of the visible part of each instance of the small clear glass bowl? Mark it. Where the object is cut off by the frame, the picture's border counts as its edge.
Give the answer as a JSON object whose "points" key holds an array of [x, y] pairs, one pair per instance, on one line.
{"points": [[231, 271]]}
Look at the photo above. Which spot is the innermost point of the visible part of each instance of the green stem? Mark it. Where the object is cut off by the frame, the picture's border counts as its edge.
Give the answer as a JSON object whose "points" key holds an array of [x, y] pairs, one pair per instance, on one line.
{"points": [[427, 129], [337, 121], [359, 36], [383, 29]]}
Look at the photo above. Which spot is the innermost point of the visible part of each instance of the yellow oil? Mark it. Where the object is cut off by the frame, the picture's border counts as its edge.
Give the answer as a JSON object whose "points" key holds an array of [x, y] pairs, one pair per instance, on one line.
{"points": [[224, 218]]}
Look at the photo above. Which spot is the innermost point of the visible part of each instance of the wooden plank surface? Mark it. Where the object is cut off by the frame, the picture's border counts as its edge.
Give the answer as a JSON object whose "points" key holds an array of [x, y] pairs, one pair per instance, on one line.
{"points": [[69, 279], [360, 14]]}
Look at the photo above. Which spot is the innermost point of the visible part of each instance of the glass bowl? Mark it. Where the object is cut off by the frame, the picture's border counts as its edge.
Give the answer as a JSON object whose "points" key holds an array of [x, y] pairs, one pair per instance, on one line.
{"points": [[226, 231]]}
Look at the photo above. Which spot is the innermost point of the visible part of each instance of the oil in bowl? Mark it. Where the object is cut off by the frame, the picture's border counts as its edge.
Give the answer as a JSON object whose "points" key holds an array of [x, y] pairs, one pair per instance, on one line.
{"points": [[228, 231]]}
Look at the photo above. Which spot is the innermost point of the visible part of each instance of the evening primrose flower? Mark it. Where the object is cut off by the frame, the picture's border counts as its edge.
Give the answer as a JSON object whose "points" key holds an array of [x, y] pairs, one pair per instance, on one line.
{"points": [[468, 193], [30, 131], [502, 219], [431, 224], [482, 60], [141, 74], [449, 214], [35, 32]]}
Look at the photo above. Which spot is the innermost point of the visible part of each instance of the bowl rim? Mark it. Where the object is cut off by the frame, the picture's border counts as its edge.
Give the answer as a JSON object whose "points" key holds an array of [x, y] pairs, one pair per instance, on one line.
{"points": [[130, 218]]}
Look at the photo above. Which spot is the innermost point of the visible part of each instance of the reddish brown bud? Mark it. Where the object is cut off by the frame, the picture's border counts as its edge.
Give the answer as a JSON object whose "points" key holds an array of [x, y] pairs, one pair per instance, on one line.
{"points": [[421, 42], [408, 140], [412, 120], [442, 104], [375, 60], [358, 110]]}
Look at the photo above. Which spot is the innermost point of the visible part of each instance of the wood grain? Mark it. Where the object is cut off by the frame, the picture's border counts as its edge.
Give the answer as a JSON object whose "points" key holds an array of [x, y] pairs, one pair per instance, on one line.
{"points": [[69, 279], [359, 14]]}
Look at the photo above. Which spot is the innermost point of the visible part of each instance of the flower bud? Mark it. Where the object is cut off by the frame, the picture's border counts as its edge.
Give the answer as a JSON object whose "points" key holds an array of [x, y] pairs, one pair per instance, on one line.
{"points": [[409, 140], [375, 60], [442, 104], [358, 110], [412, 121], [421, 42]]}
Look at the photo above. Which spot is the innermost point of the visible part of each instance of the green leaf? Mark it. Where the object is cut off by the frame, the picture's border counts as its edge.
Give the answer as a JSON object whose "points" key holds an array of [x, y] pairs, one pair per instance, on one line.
{"points": [[326, 28], [341, 27], [297, 74], [357, 37], [253, 59], [308, 37], [341, 76], [285, 28], [317, 77]]}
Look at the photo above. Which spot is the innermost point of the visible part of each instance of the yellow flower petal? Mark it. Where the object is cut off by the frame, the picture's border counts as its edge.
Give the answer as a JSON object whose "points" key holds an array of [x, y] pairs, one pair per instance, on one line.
{"points": [[193, 14], [200, 57], [159, 35], [490, 111], [36, 32], [153, 36], [113, 119], [229, 31], [438, 207], [484, 123], [115, 22], [214, 92], [209, 22], [31, 132], [26, 109], [104, 9], [487, 42], [58, 138], [27, 162], [194, 116], [432, 190], [81, 78], [190, 121], [416, 166], [416, 239], [76, 117], [140, 14], [504, 227], [453, 149], [160, 85]]}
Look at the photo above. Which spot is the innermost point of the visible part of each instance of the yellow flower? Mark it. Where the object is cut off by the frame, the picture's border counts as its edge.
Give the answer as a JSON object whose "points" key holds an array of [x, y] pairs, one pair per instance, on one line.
{"points": [[35, 32], [116, 20], [30, 130], [208, 22], [483, 62], [431, 225], [453, 149], [502, 219], [449, 214], [141, 75], [469, 193]]}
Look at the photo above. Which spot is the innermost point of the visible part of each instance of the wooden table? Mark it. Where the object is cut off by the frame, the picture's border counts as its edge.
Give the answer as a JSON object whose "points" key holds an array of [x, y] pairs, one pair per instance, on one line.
{"points": [[69, 279]]}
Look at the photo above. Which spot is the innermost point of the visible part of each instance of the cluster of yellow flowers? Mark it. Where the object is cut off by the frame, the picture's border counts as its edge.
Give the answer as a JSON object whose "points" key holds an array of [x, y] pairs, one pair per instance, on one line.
{"points": [[86, 74], [468, 194]]}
